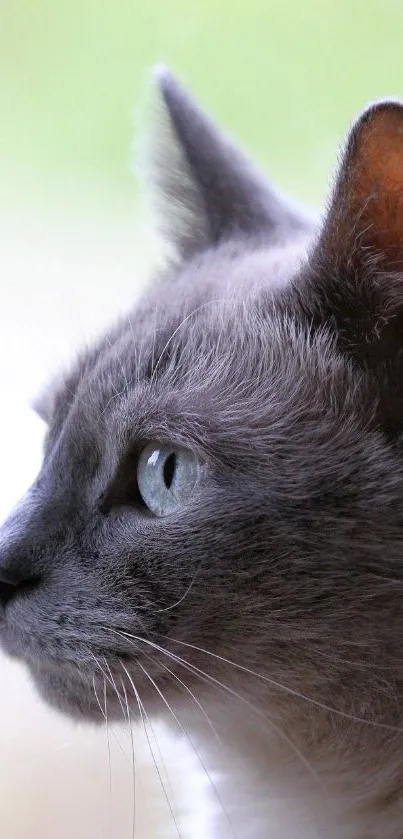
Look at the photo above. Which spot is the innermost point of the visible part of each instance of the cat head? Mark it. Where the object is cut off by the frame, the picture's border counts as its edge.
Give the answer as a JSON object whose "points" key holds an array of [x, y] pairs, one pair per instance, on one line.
{"points": [[222, 477]]}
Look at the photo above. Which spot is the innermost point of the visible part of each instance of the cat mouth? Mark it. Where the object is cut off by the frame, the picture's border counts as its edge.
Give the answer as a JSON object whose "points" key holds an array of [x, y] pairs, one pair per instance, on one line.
{"points": [[93, 685], [116, 677]]}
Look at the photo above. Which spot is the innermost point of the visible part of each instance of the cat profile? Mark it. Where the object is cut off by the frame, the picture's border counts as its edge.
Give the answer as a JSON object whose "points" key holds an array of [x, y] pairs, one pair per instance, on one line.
{"points": [[216, 533]]}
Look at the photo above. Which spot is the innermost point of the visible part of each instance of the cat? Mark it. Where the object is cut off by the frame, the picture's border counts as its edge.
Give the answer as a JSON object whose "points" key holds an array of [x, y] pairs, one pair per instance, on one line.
{"points": [[216, 533]]}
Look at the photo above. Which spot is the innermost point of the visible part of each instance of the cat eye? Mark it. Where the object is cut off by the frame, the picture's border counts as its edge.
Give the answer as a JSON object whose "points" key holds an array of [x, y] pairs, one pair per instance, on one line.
{"points": [[166, 477]]}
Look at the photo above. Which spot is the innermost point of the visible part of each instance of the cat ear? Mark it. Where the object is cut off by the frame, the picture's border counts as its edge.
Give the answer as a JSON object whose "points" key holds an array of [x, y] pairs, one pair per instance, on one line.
{"points": [[366, 210], [356, 274], [204, 189]]}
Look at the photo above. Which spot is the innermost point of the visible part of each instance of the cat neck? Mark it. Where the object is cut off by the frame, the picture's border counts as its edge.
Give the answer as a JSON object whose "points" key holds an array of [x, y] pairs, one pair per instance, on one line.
{"points": [[265, 782]]}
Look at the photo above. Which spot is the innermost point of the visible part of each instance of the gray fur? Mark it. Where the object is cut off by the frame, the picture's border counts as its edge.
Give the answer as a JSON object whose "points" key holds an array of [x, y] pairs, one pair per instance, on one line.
{"points": [[205, 189], [273, 351]]}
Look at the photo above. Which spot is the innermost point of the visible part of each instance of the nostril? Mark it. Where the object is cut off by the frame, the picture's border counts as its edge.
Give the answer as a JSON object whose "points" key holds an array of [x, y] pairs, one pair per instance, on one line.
{"points": [[6, 592], [11, 577], [10, 590]]}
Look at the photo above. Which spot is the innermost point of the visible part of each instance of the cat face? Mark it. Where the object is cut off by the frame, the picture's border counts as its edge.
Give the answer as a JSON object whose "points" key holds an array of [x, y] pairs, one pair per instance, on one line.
{"points": [[222, 478]]}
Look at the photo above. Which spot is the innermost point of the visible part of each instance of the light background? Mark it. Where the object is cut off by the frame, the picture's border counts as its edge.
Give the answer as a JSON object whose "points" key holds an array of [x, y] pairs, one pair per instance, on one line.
{"points": [[286, 79]]}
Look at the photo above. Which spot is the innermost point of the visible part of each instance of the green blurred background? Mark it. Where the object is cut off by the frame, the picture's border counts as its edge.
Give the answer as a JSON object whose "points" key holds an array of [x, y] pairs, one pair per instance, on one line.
{"points": [[286, 78]]}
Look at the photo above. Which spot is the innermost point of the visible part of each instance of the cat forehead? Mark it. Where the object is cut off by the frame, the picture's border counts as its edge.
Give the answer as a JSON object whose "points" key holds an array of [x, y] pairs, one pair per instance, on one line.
{"points": [[208, 295], [217, 292]]}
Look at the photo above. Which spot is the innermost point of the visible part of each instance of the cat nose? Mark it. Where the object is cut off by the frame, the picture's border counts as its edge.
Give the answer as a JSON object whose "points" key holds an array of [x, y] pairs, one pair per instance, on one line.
{"points": [[21, 551], [16, 575]]}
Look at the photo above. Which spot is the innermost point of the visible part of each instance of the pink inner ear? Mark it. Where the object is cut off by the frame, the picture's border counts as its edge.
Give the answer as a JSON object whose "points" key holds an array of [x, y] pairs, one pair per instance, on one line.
{"points": [[373, 179]]}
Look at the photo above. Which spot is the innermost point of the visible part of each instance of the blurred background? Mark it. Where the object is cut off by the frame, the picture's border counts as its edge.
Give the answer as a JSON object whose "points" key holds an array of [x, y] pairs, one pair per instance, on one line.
{"points": [[284, 78]]}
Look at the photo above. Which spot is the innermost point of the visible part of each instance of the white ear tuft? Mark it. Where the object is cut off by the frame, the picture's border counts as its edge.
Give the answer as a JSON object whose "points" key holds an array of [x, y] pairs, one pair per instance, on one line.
{"points": [[203, 189], [172, 194]]}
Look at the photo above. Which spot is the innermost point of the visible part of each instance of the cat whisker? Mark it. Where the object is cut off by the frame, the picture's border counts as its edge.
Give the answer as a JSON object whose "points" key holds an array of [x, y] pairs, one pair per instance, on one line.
{"points": [[97, 698], [362, 665], [184, 595], [154, 340], [178, 328], [104, 712], [190, 741], [199, 705], [168, 670], [212, 680], [119, 360], [112, 680], [145, 719], [109, 678], [133, 759], [135, 378], [109, 402], [125, 710], [323, 706], [109, 759], [120, 747]]}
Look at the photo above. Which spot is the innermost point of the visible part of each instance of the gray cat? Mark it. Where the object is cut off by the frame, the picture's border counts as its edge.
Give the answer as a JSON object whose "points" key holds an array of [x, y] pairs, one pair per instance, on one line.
{"points": [[220, 507]]}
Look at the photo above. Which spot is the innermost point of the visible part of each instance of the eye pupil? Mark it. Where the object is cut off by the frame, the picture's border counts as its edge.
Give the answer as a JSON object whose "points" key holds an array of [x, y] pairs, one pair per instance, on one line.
{"points": [[169, 470]]}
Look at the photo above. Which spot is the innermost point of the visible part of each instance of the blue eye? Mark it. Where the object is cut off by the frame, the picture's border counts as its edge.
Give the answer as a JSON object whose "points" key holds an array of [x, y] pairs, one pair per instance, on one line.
{"points": [[166, 477]]}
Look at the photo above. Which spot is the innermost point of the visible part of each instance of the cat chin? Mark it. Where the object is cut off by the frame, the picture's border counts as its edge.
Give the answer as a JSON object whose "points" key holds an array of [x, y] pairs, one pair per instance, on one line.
{"points": [[76, 698], [88, 699]]}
